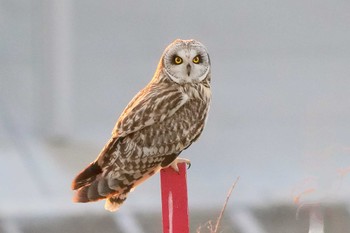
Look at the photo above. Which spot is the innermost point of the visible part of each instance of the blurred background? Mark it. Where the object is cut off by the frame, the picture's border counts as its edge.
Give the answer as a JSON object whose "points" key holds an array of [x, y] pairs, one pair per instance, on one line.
{"points": [[279, 118]]}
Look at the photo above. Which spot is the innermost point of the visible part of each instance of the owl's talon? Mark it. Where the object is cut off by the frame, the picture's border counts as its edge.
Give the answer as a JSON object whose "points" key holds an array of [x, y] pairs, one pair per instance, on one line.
{"points": [[175, 167], [174, 164]]}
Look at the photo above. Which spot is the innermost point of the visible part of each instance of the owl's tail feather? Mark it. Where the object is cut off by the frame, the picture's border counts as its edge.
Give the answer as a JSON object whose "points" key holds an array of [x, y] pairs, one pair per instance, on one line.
{"points": [[93, 171], [113, 203], [95, 191], [98, 190], [90, 185], [87, 176], [115, 191]]}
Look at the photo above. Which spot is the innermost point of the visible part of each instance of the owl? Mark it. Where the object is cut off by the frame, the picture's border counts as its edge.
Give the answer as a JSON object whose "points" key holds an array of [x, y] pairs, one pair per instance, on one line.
{"points": [[161, 121]]}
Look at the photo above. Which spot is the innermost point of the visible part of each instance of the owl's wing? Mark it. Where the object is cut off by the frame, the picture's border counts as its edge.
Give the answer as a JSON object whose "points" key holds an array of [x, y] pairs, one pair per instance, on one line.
{"points": [[152, 104]]}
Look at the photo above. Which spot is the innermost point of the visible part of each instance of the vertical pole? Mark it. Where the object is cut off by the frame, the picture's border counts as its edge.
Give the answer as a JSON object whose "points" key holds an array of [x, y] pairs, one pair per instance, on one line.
{"points": [[174, 200]]}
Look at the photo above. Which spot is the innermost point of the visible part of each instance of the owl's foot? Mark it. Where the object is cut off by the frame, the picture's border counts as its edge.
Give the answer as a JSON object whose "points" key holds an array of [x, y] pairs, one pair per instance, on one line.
{"points": [[174, 166]]}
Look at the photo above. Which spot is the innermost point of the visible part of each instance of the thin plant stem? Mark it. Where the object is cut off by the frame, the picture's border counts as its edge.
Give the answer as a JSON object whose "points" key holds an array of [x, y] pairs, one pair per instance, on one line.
{"points": [[224, 207]]}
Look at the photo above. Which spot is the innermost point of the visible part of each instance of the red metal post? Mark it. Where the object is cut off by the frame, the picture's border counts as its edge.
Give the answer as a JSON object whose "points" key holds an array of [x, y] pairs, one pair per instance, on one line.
{"points": [[174, 200]]}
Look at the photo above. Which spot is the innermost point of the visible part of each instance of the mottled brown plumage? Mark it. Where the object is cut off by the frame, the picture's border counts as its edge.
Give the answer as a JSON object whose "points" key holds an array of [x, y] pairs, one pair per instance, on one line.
{"points": [[162, 120]]}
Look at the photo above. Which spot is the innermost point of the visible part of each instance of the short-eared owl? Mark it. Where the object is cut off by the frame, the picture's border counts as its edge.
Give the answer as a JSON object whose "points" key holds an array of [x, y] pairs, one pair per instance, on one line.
{"points": [[161, 121]]}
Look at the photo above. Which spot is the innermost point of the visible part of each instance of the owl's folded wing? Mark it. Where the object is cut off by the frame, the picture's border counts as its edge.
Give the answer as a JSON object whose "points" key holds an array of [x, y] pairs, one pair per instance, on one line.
{"points": [[148, 107]]}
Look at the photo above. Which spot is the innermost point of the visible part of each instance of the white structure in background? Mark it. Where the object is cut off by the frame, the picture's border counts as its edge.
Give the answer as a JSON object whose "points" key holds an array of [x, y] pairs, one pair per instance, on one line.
{"points": [[316, 220]]}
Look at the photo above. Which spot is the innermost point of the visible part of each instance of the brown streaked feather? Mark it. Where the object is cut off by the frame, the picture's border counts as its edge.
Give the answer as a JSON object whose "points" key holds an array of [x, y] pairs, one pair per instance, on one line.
{"points": [[87, 176], [151, 105], [90, 173], [168, 160]]}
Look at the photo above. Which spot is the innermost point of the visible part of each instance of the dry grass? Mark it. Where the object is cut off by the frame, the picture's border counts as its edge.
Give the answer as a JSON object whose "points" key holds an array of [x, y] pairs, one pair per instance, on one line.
{"points": [[213, 228]]}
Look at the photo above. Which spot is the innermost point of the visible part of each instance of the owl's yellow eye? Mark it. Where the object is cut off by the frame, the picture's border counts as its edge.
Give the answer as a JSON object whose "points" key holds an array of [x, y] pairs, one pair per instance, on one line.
{"points": [[196, 59], [178, 60]]}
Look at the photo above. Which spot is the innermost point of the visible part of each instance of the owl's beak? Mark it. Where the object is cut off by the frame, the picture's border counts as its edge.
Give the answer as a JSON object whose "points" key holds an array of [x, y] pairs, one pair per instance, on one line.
{"points": [[188, 67]]}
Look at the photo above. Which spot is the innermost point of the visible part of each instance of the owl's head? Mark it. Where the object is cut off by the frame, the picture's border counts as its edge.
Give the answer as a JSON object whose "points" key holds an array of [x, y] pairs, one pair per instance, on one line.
{"points": [[186, 61]]}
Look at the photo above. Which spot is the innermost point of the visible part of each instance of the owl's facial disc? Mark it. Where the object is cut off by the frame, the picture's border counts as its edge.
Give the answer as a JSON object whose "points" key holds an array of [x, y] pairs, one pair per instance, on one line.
{"points": [[186, 62]]}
